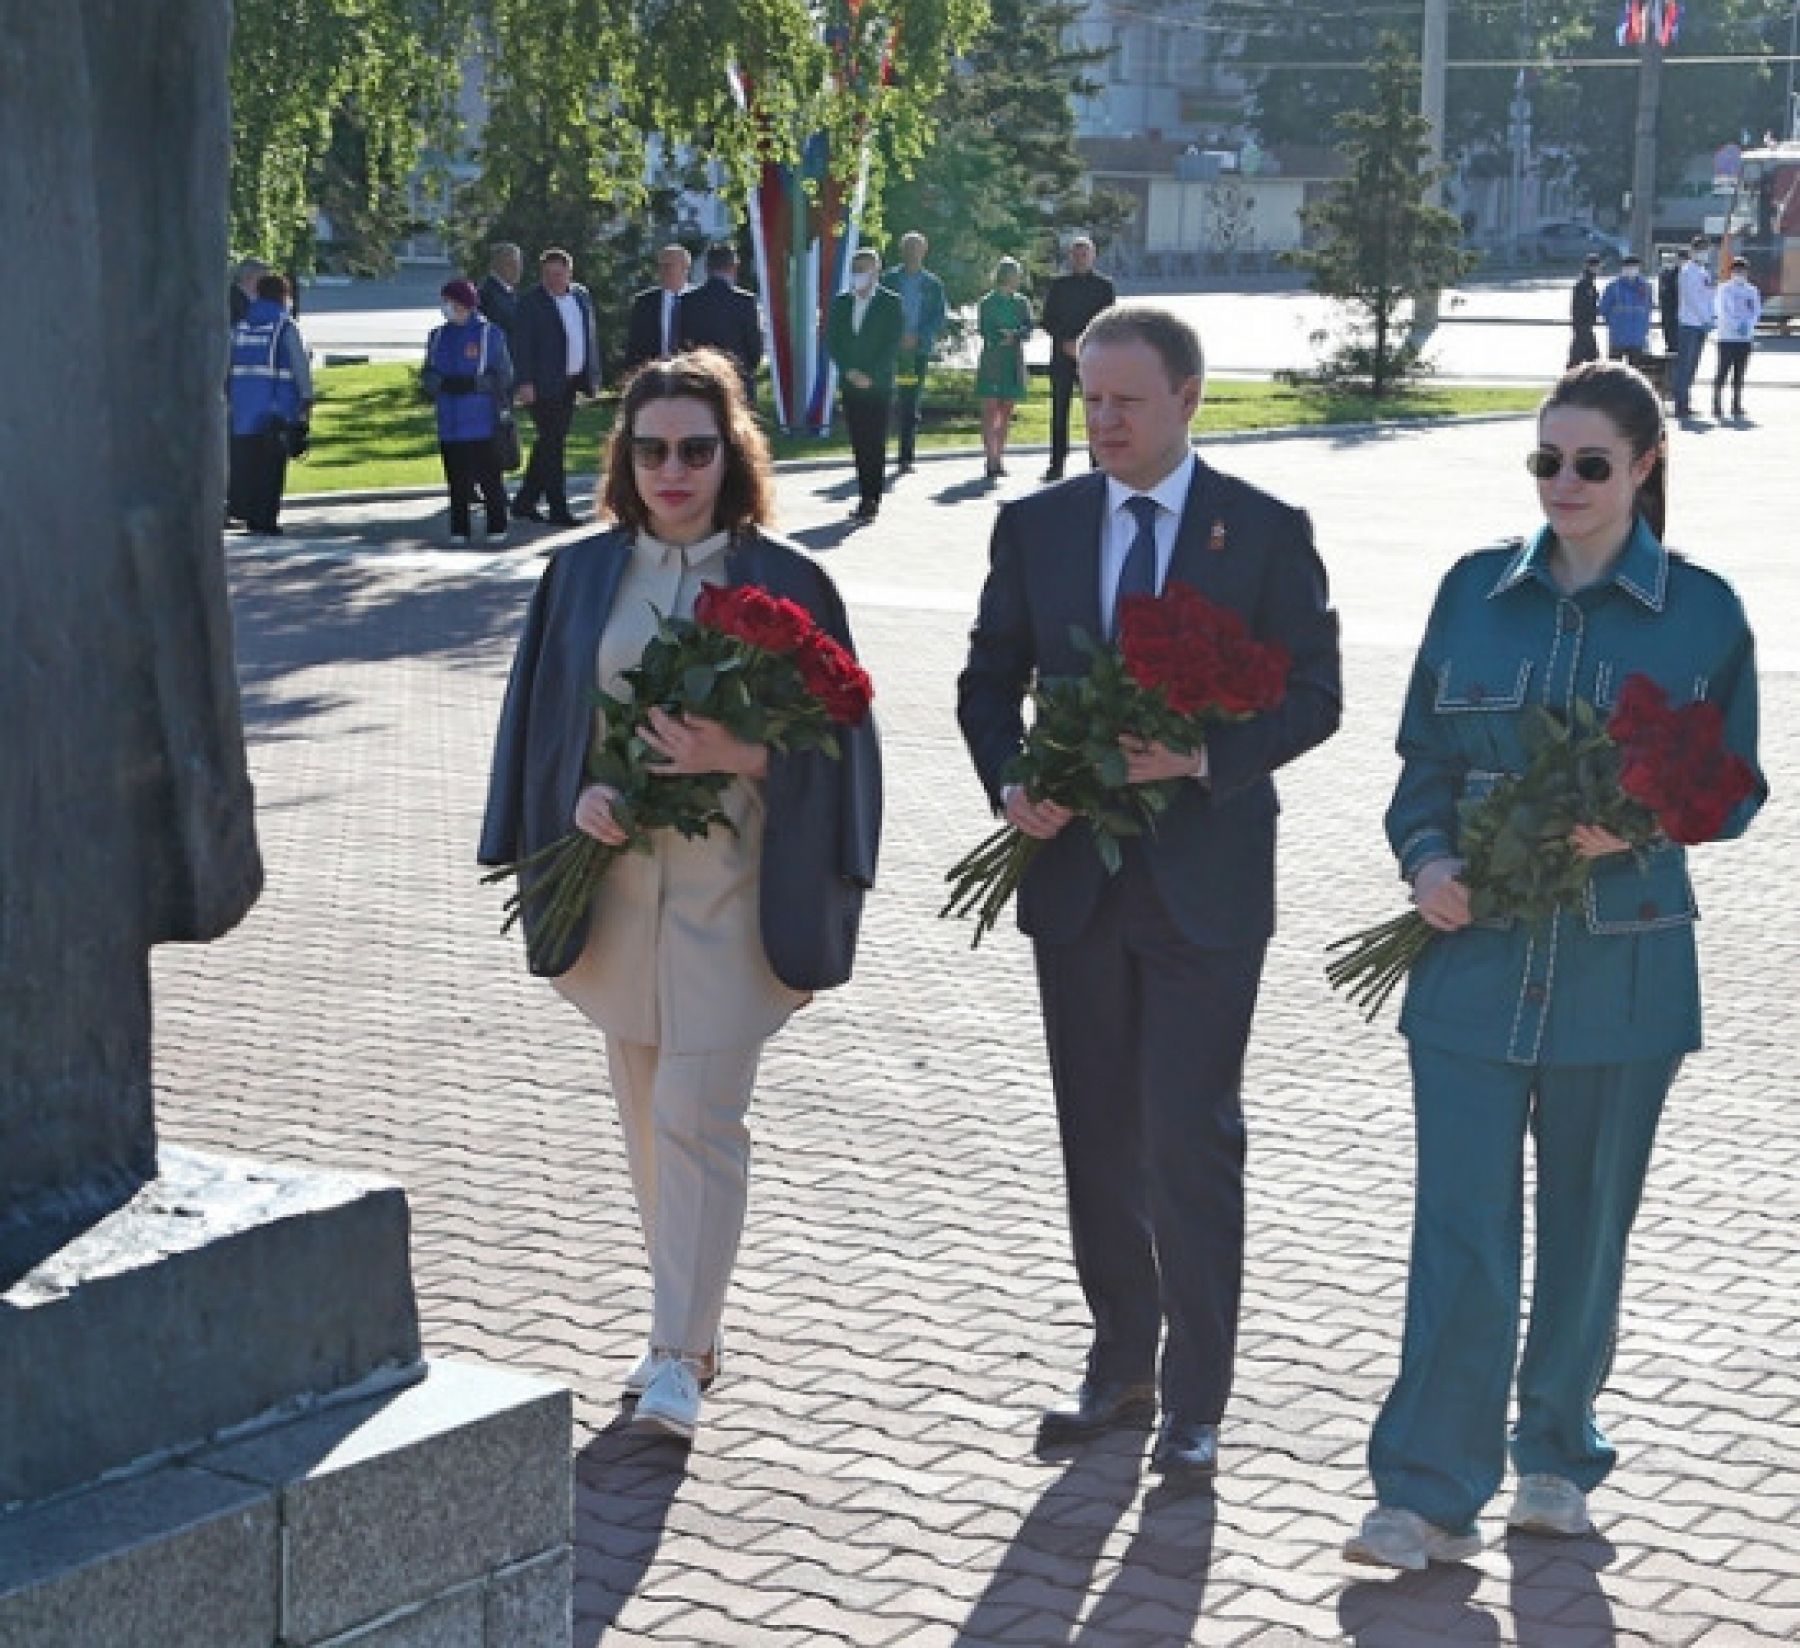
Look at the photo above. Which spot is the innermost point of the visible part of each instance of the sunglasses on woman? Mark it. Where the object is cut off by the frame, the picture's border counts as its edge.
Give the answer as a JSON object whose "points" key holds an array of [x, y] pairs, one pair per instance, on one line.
{"points": [[1589, 466], [694, 451]]}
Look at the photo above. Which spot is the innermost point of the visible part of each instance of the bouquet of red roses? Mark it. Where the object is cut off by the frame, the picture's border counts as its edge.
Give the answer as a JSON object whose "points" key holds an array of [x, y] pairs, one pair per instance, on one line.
{"points": [[1181, 664], [754, 662], [1646, 773]]}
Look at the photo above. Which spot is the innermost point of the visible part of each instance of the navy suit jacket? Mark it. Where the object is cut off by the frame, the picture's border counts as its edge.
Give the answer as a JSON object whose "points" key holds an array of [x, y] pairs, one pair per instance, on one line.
{"points": [[1213, 852], [541, 348], [500, 303], [824, 816], [643, 331], [719, 315]]}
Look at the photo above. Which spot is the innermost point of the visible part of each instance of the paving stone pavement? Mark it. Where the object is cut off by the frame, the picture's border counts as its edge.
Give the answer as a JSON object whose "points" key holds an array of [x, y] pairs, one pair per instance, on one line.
{"points": [[904, 1304]]}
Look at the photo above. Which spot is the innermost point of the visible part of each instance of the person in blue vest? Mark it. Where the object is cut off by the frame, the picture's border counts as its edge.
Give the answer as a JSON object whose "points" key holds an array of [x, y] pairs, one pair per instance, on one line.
{"points": [[468, 374], [271, 396], [1571, 1031], [1625, 307]]}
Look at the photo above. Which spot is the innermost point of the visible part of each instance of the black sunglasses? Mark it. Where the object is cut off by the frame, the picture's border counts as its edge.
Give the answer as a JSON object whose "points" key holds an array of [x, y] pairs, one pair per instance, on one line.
{"points": [[1589, 466], [694, 451]]}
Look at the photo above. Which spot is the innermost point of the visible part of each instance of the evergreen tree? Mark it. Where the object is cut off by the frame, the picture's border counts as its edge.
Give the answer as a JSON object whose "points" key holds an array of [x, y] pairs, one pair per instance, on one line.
{"points": [[1002, 174], [1380, 245]]}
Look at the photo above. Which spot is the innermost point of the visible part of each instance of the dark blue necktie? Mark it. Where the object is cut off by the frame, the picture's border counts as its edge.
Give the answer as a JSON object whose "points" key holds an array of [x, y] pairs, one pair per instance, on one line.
{"points": [[1138, 576]]}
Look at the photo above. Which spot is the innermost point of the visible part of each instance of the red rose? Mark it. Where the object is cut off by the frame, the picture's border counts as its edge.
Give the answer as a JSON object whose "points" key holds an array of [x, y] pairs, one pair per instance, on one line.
{"points": [[1642, 706], [833, 677], [754, 616]]}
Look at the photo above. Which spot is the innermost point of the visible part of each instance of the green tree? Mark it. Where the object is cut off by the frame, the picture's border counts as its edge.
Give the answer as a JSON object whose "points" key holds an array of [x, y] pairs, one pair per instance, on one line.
{"points": [[1308, 70], [1002, 173], [1380, 245], [297, 68]]}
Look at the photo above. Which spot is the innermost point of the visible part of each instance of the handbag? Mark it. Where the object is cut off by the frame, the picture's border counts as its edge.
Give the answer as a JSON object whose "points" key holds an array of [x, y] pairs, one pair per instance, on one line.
{"points": [[506, 442], [506, 432]]}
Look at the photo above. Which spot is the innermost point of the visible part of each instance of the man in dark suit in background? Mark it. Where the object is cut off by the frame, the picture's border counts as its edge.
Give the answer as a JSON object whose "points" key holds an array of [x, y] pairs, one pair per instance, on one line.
{"points": [[1148, 978], [862, 334], [499, 292], [721, 314], [556, 356], [1070, 302], [654, 329]]}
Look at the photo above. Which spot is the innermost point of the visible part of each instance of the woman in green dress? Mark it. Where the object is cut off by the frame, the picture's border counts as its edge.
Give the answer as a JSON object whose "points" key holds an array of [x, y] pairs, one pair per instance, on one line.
{"points": [[1005, 321]]}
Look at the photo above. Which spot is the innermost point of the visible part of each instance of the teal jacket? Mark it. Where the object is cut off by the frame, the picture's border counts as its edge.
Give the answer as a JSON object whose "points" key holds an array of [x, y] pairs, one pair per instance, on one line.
{"points": [[1618, 979]]}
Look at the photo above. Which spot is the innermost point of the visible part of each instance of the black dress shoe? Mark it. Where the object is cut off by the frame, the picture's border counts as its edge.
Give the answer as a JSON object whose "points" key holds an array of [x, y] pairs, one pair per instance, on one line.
{"points": [[527, 512], [1100, 1405], [1186, 1451], [563, 517], [1053, 473]]}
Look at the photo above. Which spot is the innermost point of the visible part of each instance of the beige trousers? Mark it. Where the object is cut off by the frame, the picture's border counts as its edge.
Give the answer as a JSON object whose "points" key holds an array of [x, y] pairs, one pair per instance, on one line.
{"points": [[688, 1148]]}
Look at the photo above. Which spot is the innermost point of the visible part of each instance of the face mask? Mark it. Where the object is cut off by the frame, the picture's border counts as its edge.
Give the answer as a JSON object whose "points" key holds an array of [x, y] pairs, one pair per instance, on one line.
{"points": [[862, 285], [450, 311]]}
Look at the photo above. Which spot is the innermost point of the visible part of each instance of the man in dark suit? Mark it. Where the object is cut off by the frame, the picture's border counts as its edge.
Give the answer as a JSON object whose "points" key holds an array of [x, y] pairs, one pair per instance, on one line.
{"points": [[720, 314], [1148, 978], [499, 292], [654, 329], [1070, 302], [862, 334], [557, 360]]}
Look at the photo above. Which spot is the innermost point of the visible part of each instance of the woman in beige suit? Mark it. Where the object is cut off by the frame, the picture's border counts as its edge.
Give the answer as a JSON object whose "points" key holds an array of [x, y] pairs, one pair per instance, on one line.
{"points": [[696, 951]]}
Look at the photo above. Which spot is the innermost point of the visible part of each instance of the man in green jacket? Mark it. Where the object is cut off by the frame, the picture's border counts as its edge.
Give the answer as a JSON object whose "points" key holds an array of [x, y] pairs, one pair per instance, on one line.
{"points": [[863, 336]]}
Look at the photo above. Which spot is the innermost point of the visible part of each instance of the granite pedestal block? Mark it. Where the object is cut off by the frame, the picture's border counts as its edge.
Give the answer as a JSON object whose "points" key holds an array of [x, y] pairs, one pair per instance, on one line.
{"points": [[438, 1516], [222, 1290]]}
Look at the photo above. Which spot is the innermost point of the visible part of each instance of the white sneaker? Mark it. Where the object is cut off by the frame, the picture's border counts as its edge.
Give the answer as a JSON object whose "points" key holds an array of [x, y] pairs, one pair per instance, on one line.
{"points": [[671, 1401], [1393, 1538], [1549, 1505], [638, 1380]]}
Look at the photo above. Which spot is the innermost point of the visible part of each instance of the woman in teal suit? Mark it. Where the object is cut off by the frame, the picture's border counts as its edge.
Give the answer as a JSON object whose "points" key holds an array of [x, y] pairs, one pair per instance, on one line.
{"points": [[1574, 1031], [1004, 318]]}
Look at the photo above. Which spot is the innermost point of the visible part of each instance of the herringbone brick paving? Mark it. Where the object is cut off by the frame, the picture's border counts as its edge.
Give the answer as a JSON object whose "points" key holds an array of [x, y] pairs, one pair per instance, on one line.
{"points": [[904, 1304]]}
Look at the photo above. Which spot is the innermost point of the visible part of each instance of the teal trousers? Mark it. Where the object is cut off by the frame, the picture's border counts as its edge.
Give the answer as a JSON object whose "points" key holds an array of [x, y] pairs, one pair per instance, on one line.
{"points": [[1439, 1446]]}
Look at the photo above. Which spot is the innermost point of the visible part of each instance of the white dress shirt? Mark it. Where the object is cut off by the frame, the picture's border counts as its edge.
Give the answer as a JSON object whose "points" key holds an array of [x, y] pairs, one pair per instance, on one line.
{"points": [[859, 306], [573, 330], [669, 300], [1119, 532]]}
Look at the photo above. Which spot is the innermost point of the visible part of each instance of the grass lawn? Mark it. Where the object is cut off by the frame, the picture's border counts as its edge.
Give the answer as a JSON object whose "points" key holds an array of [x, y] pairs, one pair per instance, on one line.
{"points": [[372, 429]]}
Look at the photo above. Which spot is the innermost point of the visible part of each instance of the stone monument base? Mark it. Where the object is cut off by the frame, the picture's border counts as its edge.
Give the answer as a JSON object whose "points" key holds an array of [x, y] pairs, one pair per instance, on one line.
{"points": [[224, 1289], [438, 1516]]}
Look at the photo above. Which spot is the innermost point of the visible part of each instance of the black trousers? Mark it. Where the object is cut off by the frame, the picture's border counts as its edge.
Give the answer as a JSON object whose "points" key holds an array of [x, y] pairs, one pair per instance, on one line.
{"points": [[256, 475], [866, 417], [1065, 384], [1734, 362], [471, 467], [544, 475], [1585, 346], [907, 397], [1146, 1034]]}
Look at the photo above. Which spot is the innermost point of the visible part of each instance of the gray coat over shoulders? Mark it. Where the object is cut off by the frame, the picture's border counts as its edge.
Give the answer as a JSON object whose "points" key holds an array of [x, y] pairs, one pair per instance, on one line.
{"points": [[824, 816]]}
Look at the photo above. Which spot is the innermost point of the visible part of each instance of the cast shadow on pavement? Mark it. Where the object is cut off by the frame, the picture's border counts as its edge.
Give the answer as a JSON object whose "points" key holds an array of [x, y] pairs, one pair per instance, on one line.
{"points": [[1041, 1588], [624, 1486], [962, 492], [295, 615], [1555, 1597], [827, 535]]}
